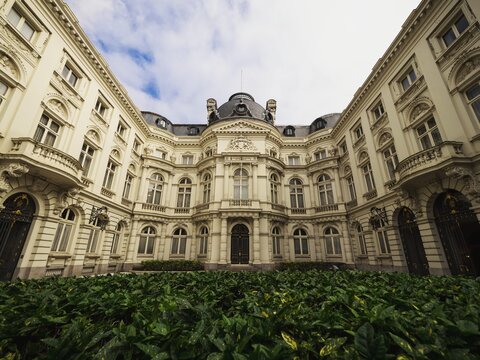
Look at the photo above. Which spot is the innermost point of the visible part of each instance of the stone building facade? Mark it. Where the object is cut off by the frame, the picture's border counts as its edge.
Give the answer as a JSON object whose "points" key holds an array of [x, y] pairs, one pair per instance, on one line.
{"points": [[89, 184]]}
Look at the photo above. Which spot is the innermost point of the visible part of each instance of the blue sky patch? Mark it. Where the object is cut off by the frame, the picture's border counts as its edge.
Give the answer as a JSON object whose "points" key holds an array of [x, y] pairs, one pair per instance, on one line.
{"points": [[140, 56], [152, 89]]}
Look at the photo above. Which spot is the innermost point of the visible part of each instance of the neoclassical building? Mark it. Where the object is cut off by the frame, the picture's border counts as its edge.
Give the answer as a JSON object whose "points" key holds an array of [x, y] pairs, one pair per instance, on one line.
{"points": [[89, 184]]}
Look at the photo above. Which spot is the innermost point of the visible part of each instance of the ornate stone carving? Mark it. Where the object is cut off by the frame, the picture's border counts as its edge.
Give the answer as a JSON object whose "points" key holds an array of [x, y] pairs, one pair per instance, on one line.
{"points": [[419, 109], [13, 170], [241, 143], [467, 68], [472, 186], [57, 107], [8, 66], [212, 112], [332, 150], [62, 199]]}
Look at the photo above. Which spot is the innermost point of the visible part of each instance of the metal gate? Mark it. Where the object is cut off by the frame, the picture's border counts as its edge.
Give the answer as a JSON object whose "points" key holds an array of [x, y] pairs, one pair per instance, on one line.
{"points": [[459, 232], [15, 221], [240, 245], [412, 242]]}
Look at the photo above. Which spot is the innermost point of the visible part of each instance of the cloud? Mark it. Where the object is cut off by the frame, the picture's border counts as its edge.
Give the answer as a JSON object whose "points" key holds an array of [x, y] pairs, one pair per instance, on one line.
{"points": [[309, 55]]}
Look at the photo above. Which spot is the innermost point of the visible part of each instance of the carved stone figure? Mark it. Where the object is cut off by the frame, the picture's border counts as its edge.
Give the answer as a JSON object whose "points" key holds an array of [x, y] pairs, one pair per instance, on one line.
{"points": [[241, 143], [13, 170]]}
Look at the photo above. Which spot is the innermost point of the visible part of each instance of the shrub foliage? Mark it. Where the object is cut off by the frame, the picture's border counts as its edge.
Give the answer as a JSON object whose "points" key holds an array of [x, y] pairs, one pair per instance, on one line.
{"points": [[311, 265], [240, 315]]}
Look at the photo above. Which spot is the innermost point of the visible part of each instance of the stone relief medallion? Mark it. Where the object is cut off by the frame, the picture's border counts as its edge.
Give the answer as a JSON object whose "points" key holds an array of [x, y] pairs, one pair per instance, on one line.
{"points": [[241, 143]]}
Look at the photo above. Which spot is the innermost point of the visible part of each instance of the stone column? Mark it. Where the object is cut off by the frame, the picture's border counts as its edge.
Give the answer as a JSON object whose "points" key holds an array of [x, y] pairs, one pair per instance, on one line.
{"points": [[141, 195], [256, 241], [226, 181], [285, 243], [131, 246], [347, 252], [265, 247], [159, 242], [223, 241], [313, 194], [164, 243], [338, 190], [215, 243], [193, 244], [255, 181]]}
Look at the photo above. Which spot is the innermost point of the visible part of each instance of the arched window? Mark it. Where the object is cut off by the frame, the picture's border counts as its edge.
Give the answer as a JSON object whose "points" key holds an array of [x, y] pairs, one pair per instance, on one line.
{"points": [[64, 230], [179, 242], [94, 236], [300, 242], [276, 237], [361, 240], [202, 249], [147, 241], [116, 239], [207, 187], [296, 194], [325, 189], [274, 188], [391, 160], [155, 187], [382, 237], [184, 193], [332, 241], [240, 184]]}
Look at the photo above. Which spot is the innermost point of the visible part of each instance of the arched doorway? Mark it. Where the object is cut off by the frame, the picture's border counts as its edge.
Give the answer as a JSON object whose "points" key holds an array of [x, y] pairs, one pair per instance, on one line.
{"points": [[240, 245], [15, 221], [412, 242], [459, 231]]}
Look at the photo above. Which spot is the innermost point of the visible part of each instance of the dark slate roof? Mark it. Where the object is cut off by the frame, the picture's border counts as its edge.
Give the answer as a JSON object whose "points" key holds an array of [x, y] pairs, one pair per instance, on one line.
{"points": [[240, 105]]}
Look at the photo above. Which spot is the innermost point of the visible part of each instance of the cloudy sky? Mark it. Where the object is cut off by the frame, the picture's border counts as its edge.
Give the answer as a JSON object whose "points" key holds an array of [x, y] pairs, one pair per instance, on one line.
{"points": [[309, 55]]}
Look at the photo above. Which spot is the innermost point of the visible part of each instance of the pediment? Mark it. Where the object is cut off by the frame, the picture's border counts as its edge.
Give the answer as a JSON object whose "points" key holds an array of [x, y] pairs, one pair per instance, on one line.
{"points": [[244, 127]]}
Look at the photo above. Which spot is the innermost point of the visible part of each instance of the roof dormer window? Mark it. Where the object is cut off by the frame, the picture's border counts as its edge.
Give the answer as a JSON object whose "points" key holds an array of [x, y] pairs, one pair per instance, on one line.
{"points": [[289, 131]]}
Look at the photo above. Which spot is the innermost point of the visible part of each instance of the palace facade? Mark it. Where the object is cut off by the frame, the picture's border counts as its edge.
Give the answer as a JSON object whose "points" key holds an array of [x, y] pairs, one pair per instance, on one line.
{"points": [[89, 184]]}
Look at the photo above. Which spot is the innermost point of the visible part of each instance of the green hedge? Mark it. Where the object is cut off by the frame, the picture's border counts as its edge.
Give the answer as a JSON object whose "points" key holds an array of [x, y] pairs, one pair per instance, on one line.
{"points": [[242, 315], [172, 265], [311, 265]]}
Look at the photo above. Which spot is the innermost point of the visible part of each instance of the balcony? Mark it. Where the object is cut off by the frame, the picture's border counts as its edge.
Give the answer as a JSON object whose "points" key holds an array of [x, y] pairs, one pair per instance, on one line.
{"points": [[422, 166], [240, 203], [153, 207], [47, 162], [326, 208], [181, 210], [301, 211]]}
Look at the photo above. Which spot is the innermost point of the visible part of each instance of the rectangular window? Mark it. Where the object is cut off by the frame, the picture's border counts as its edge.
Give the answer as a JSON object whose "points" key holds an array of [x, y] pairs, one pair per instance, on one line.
{"points": [[109, 175], [115, 241], [93, 240], [473, 97], [121, 130], [300, 246], [62, 235], [455, 30], [69, 75], [391, 161], [161, 154], [294, 160], [187, 159], [368, 175], [322, 154], [351, 188], [428, 134], [47, 131], [383, 242], [100, 108], [86, 158], [358, 132], [179, 245], [21, 24], [136, 146], [378, 111], [203, 245], [3, 91], [343, 148], [128, 186], [408, 79]]}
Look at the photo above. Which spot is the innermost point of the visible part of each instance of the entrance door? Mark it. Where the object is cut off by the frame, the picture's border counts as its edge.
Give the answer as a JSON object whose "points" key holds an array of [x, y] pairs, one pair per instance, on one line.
{"points": [[459, 231], [412, 242], [15, 221], [240, 240]]}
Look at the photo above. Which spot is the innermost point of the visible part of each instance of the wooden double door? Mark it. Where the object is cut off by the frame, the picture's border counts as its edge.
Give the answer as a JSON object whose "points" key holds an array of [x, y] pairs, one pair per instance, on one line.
{"points": [[240, 251]]}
